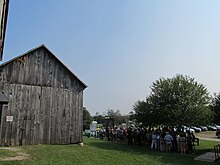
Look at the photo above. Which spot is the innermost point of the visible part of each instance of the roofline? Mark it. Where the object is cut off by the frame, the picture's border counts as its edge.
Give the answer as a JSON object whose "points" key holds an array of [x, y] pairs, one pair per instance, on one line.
{"points": [[23, 54], [40, 46], [3, 99]]}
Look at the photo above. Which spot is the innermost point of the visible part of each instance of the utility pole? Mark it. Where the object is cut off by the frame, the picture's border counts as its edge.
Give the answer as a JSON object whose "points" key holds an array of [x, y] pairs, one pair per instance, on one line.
{"points": [[4, 4]]}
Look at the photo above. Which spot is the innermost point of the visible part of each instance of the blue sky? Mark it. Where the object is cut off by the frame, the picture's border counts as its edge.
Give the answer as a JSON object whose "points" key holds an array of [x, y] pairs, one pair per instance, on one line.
{"points": [[120, 47]]}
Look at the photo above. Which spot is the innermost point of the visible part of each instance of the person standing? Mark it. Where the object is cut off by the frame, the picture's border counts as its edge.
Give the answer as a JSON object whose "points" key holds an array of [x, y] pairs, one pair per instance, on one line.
{"points": [[189, 139], [154, 140], [182, 143], [168, 141]]}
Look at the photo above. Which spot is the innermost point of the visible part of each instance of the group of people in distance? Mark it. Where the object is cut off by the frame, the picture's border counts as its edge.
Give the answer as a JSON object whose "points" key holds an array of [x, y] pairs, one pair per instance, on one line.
{"points": [[171, 140], [163, 139]]}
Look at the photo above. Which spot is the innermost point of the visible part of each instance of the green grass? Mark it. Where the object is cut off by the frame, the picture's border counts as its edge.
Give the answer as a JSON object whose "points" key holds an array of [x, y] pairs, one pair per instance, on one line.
{"points": [[107, 153], [6, 153]]}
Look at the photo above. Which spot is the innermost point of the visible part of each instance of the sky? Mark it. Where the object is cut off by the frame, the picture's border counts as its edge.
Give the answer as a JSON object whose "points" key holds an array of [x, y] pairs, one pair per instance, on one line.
{"points": [[120, 47]]}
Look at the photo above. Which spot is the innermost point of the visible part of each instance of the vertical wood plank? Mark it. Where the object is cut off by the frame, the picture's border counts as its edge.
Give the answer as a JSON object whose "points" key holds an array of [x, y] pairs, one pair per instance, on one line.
{"points": [[4, 126], [53, 117]]}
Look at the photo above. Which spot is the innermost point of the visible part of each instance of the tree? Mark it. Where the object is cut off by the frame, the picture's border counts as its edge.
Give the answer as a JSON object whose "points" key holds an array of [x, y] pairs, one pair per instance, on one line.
{"points": [[177, 101], [144, 113], [180, 100], [87, 119], [116, 115], [132, 116], [99, 118], [215, 107]]}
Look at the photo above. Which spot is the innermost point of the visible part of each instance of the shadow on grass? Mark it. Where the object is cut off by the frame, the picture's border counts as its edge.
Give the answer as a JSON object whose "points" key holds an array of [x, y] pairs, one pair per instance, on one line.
{"points": [[202, 151], [120, 147], [163, 157]]}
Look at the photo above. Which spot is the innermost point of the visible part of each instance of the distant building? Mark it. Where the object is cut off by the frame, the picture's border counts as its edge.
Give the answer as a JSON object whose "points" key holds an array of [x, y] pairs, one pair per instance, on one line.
{"points": [[45, 101], [3, 17]]}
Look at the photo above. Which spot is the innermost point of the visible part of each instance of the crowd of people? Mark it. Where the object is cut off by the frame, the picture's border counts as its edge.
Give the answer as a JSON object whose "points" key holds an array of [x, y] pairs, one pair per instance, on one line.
{"points": [[163, 139]]}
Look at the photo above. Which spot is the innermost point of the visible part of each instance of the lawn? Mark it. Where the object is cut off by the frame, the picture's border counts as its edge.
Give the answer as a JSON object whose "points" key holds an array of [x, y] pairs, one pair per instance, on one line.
{"points": [[6, 153], [99, 152]]}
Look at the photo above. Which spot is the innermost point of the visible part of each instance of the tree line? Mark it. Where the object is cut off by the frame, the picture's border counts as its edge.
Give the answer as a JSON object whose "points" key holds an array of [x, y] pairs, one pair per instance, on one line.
{"points": [[175, 101], [115, 115]]}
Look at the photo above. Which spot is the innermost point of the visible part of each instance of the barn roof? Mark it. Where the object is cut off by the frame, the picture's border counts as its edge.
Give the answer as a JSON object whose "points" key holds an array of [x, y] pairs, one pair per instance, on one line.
{"points": [[44, 47], [3, 98]]}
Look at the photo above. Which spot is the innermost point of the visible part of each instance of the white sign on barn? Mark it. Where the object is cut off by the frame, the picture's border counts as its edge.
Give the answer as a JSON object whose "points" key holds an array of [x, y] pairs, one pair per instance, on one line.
{"points": [[9, 118]]}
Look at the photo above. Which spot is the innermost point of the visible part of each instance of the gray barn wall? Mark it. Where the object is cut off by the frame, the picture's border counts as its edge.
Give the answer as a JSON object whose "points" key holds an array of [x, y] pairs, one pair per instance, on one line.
{"points": [[45, 100]]}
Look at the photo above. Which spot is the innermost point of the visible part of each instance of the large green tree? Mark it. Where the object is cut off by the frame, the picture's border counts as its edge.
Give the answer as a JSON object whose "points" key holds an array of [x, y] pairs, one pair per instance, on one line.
{"points": [[87, 119], [178, 101], [215, 107], [144, 113]]}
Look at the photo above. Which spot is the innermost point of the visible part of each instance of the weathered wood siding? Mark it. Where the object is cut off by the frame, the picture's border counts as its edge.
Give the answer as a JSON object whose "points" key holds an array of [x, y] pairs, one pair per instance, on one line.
{"points": [[45, 99]]}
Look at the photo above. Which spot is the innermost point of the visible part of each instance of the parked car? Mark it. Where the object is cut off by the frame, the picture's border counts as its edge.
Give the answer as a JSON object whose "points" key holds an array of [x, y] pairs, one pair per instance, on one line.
{"points": [[185, 129], [197, 129], [211, 128], [204, 128]]}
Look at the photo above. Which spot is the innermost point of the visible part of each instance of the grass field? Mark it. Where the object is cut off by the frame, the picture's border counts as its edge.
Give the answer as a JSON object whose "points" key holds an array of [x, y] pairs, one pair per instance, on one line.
{"points": [[105, 153]]}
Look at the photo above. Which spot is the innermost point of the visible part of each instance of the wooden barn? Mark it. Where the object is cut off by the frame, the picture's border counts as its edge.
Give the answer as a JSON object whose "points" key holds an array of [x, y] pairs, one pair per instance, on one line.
{"points": [[45, 101]]}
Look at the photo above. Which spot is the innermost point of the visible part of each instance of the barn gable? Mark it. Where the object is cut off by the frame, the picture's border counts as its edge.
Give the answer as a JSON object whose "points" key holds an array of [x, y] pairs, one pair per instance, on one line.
{"points": [[39, 67], [45, 101]]}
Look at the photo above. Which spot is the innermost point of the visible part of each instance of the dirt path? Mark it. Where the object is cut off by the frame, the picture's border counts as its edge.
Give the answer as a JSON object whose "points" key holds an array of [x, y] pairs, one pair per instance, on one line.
{"points": [[207, 135], [19, 154], [209, 139]]}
